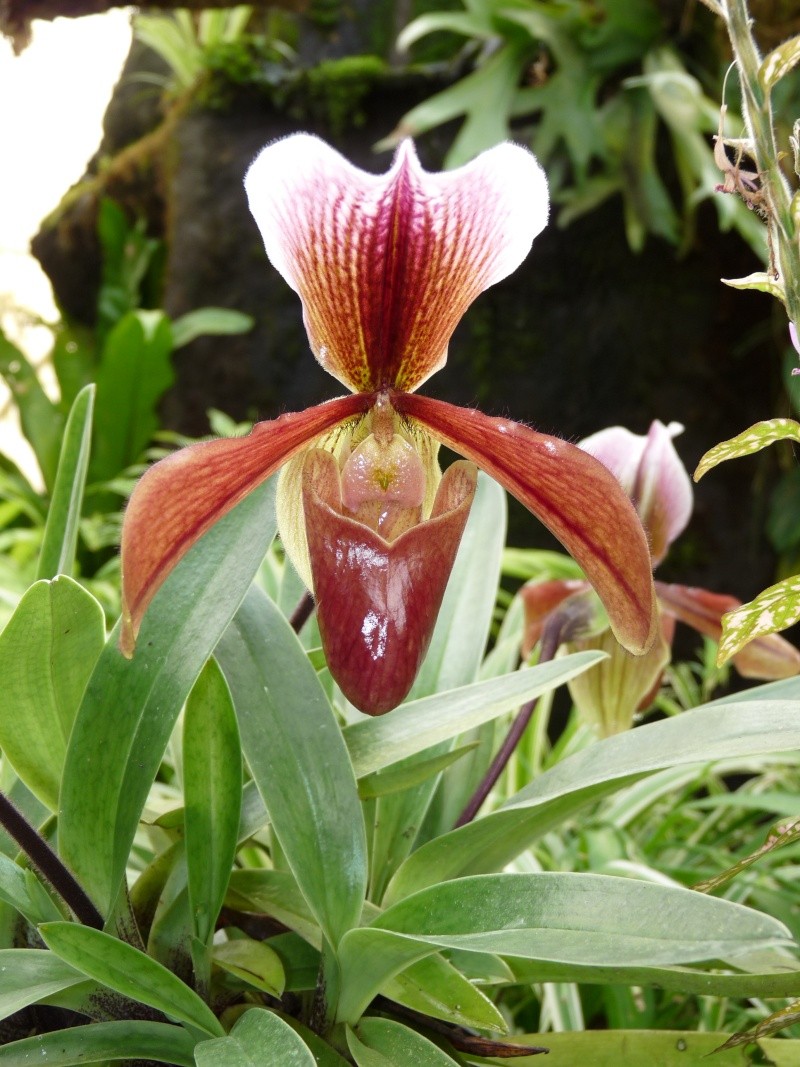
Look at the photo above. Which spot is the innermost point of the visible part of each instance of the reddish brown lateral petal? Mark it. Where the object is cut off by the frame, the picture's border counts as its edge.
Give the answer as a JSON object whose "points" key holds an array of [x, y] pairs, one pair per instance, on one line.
{"points": [[180, 497], [572, 493], [770, 657], [377, 603], [386, 265]]}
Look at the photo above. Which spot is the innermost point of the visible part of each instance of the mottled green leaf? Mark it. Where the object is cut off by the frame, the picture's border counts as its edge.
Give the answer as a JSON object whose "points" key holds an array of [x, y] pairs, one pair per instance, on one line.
{"points": [[775, 609], [779, 63], [753, 440], [762, 282]]}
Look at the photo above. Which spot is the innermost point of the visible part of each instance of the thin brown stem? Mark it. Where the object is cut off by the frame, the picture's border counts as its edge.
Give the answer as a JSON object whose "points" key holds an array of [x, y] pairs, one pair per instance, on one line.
{"points": [[48, 864], [302, 613], [551, 639]]}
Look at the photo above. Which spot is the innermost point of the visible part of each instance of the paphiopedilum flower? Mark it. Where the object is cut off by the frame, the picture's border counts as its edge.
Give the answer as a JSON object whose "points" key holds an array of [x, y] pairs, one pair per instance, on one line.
{"points": [[652, 474], [385, 266]]}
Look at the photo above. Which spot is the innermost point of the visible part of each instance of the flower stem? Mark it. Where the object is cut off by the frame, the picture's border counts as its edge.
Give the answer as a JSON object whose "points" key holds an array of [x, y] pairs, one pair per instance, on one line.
{"points": [[48, 864], [302, 613], [548, 646], [757, 113]]}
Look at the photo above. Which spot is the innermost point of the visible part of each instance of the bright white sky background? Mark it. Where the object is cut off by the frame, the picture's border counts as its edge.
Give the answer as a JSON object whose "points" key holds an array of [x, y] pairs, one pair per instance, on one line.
{"points": [[52, 100]]}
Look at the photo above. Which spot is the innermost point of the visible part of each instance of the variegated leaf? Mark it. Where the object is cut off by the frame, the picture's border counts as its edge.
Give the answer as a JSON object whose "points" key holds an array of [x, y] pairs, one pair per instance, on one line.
{"points": [[760, 280], [749, 441], [779, 62], [773, 610]]}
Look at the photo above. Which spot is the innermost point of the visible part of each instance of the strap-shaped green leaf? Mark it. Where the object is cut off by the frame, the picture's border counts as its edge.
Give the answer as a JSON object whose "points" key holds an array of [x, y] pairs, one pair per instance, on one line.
{"points": [[126, 970], [212, 785], [57, 554], [130, 706], [259, 1037], [723, 730], [28, 975], [384, 1043], [47, 652], [99, 1042], [578, 919], [294, 748]]}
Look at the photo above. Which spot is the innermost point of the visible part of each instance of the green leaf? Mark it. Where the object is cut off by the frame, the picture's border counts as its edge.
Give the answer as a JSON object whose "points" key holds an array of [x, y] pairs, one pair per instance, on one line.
{"points": [[254, 962], [294, 748], [435, 987], [40, 419], [467, 25], [212, 785], [257, 1033], [134, 372], [723, 730], [274, 893], [760, 281], [73, 360], [130, 707], [57, 554], [406, 775], [47, 652], [580, 919], [413, 727], [28, 975], [128, 971], [462, 629], [779, 63], [774, 609], [208, 320], [484, 97], [22, 890], [637, 1048], [745, 444], [781, 982], [98, 1042], [324, 1054], [385, 1043]]}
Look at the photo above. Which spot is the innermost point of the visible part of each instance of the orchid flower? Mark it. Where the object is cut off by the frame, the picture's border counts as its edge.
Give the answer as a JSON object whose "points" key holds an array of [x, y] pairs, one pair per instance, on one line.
{"points": [[651, 473], [385, 266]]}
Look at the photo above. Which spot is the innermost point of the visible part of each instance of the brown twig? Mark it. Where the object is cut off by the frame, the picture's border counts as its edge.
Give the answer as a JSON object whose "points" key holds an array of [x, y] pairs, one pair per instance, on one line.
{"points": [[302, 613], [49, 865], [552, 635]]}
